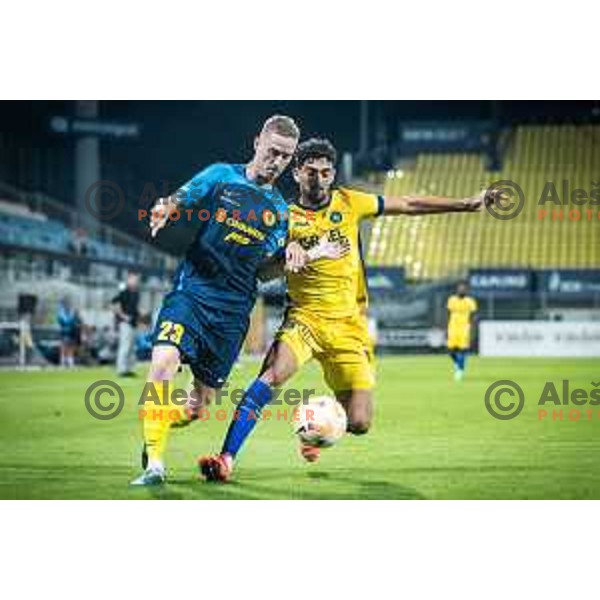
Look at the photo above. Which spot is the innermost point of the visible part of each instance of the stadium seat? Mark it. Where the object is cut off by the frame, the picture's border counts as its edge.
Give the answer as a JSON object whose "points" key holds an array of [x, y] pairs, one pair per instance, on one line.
{"points": [[447, 245]]}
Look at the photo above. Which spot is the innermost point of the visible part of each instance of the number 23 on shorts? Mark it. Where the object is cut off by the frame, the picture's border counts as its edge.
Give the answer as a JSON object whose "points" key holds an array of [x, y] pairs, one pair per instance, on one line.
{"points": [[170, 332]]}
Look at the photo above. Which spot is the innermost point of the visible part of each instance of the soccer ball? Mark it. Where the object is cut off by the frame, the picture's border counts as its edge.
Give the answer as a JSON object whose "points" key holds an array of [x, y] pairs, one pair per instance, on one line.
{"points": [[321, 421]]}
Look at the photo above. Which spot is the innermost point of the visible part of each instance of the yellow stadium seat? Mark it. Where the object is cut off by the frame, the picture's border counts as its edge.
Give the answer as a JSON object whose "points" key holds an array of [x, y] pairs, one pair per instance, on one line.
{"points": [[448, 245]]}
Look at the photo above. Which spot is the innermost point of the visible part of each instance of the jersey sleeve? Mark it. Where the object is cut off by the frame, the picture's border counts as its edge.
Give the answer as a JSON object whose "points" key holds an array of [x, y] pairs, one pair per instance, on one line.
{"points": [[201, 185], [366, 205], [450, 303], [474, 306]]}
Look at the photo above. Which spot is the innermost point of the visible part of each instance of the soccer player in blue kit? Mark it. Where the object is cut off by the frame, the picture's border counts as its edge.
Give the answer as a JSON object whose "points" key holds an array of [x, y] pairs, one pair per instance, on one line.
{"points": [[204, 319]]}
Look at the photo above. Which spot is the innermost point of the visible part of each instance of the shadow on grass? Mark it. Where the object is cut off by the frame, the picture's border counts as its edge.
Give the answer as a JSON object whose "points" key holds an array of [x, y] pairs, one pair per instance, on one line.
{"points": [[300, 486], [106, 481]]}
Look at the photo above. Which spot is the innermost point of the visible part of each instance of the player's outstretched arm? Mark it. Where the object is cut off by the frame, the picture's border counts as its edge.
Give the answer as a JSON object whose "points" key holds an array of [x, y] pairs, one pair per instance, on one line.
{"points": [[431, 205]]}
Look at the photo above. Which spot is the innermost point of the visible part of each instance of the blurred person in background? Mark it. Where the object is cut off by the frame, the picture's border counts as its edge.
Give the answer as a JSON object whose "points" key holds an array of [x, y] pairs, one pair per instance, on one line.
{"points": [[125, 305], [78, 242], [143, 339], [461, 312], [70, 332]]}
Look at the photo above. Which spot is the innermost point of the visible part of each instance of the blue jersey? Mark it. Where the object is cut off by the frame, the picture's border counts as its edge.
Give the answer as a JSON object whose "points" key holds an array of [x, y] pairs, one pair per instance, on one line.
{"points": [[68, 321], [241, 225]]}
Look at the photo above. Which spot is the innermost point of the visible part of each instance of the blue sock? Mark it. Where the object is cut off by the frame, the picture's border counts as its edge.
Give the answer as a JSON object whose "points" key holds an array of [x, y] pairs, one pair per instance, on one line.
{"points": [[461, 359], [257, 396], [454, 357]]}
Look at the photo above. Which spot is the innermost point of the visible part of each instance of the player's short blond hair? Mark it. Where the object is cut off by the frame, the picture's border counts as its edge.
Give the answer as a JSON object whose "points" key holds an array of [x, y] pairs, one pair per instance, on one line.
{"points": [[282, 125]]}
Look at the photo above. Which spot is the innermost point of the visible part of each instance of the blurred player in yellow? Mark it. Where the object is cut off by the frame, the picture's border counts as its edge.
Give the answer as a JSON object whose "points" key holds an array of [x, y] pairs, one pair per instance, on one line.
{"points": [[461, 311], [326, 318]]}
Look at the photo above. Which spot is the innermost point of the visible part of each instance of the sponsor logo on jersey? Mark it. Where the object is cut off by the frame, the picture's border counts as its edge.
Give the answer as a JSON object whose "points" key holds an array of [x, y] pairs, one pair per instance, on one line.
{"points": [[336, 217], [245, 228]]}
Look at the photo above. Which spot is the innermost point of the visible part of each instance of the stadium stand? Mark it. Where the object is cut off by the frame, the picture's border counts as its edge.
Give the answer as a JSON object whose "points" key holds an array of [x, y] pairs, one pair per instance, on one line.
{"points": [[447, 245], [35, 221], [47, 253]]}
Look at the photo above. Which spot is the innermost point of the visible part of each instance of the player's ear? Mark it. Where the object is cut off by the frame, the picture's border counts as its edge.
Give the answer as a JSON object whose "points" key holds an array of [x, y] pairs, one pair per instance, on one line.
{"points": [[256, 143], [296, 174]]}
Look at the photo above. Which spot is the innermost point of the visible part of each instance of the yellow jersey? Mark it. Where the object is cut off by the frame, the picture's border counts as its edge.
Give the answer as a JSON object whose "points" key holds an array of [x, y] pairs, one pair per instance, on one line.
{"points": [[326, 287], [461, 310]]}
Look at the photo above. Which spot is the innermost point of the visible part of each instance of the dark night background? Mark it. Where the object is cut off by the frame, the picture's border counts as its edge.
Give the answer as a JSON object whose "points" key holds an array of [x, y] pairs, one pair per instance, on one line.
{"points": [[180, 137]]}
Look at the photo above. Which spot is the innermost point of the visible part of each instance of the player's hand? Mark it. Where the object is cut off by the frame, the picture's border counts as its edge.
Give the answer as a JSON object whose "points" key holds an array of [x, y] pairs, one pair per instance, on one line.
{"points": [[493, 196], [295, 257], [328, 249], [485, 198], [160, 213]]}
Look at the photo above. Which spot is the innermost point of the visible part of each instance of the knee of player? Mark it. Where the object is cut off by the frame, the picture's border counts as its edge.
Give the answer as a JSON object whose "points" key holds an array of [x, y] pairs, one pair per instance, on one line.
{"points": [[275, 375], [164, 365], [161, 372], [358, 426]]}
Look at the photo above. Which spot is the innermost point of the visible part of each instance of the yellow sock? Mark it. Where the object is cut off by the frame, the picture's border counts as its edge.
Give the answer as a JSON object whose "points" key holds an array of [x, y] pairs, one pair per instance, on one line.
{"points": [[157, 422]]}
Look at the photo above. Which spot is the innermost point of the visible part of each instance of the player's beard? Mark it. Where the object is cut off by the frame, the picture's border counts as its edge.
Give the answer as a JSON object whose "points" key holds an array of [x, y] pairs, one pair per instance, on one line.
{"points": [[268, 177], [315, 194], [265, 174], [272, 172]]}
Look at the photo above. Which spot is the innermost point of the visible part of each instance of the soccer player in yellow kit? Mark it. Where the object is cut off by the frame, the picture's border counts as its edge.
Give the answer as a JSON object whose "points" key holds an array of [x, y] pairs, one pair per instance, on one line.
{"points": [[326, 317], [461, 310]]}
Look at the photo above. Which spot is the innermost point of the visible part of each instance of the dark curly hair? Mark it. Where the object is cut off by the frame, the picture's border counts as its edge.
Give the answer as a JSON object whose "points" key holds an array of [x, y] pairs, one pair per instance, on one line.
{"points": [[315, 148]]}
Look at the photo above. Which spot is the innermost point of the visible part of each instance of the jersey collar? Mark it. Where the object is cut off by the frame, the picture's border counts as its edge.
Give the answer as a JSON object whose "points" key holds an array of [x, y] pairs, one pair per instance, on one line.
{"points": [[315, 208]]}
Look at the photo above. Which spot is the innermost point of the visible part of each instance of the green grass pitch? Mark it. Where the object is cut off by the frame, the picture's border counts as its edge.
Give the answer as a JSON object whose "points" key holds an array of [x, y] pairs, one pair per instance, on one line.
{"points": [[432, 439]]}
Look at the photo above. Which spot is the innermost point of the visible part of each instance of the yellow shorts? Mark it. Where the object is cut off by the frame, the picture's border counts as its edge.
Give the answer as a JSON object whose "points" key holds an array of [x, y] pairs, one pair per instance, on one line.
{"points": [[459, 338], [342, 347]]}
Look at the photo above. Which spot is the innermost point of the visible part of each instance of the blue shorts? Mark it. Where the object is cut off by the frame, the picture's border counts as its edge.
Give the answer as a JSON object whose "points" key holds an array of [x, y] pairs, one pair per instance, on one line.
{"points": [[209, 339]]}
